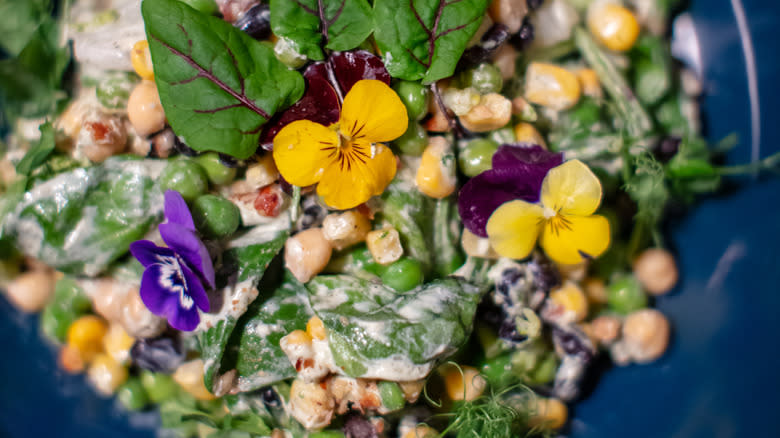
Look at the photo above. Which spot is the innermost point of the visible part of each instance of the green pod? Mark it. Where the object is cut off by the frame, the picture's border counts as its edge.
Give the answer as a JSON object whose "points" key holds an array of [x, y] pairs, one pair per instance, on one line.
{"points": [[215, 216]]}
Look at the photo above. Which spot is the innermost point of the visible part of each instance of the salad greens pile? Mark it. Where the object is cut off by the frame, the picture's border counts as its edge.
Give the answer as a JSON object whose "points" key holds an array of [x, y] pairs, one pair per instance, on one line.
{"points": [[409, 314]]}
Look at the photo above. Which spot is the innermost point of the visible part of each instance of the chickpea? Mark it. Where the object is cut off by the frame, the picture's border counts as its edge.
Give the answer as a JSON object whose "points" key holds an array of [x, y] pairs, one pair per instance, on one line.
{"points": [[605, 329], [595, 290], [421, 432], [345, 229], [307, 253], [656, 271], [31, 290], [107, 298], [189, 376], [163, 144], [145, 110], [101, 136], [311, 404], [137, 320], [551, 413], [106, 374], [646, 335], [467, 385]]}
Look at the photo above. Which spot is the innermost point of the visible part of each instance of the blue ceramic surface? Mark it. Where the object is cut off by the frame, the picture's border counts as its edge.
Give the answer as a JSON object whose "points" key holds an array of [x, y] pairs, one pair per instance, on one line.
{"points": [[721, 376]]}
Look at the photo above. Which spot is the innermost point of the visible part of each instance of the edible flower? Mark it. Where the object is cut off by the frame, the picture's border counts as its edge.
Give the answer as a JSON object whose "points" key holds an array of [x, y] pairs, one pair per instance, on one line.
{"points": [[517, 172], [563, 221], [172, 285], [346, 160]]}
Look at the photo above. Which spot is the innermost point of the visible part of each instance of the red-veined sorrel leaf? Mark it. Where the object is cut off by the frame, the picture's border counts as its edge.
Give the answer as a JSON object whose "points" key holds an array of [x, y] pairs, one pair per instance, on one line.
{"points": [[217, 85], [424, 39], [312, 24], [326, 85]]}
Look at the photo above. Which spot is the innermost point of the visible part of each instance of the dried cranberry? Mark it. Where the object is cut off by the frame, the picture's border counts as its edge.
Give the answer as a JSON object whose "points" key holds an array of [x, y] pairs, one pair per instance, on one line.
{"points": [[268, 201]]}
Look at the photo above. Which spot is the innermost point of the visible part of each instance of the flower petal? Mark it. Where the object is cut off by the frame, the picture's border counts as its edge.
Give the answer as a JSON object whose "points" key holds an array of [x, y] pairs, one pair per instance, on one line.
{"points": [[303, 150], [159, 299], [185, 243], [195, 289], [146, 252], [353, 180], [185, 320], [578, 239], [532, 161], [176, 210], [514, 227], [571, 188], [373, 111]]}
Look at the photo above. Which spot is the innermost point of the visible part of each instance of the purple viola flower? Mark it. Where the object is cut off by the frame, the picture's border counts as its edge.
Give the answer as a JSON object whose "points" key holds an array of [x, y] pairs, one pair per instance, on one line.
{"points": [[173, 283], [517, 173]]}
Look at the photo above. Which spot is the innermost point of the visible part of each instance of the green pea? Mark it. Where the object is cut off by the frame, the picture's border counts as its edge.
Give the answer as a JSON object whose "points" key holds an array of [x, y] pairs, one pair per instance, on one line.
{"points": [[485, 78], [497, 370], [545, 370], [625, 295], [477, 156], [215, 216], [327, 434], [186, 177], [217, 172], [413, 141], [363, 259], [132, 394], [404, 274], [158, 386], [414, 95], [114, 91], [205, 6], [392, 396]]}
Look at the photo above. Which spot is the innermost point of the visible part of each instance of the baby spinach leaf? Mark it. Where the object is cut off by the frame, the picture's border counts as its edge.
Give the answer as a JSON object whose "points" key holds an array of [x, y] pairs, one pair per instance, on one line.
{"points": [[81, 221], [339, 24], [241, 270], [374, 331], [424, 39], [37, 154], [410, 212], [259, 359], [19, 21], [218, 85]]}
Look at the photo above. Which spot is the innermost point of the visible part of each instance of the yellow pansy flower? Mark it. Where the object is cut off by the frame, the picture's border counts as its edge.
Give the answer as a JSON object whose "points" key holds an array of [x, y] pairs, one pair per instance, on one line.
{"points": [[570, 232], [346, 160]]}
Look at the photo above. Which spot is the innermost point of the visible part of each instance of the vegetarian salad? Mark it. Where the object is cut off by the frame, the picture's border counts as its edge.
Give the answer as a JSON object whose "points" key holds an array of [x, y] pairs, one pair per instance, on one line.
{"points": [[346, 218]]}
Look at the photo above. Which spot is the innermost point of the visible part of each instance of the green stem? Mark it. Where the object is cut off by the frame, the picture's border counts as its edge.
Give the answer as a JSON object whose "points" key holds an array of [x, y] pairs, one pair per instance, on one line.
{"points": [[296, 204], [769, 163]]}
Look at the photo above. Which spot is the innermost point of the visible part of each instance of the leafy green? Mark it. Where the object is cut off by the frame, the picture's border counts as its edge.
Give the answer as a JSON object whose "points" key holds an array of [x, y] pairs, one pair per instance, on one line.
{"points": [[259, 359], [30, 79], [367, 322], [82, 220], [342, 24], [218, 85], [37, 154], [239, 264], [410, 212], [446, 237], [184, 414], [424, 39]]}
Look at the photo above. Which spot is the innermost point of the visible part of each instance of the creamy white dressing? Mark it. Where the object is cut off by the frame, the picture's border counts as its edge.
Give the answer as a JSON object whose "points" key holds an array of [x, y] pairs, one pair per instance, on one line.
{"points": [[235, 299], [107, 47]]}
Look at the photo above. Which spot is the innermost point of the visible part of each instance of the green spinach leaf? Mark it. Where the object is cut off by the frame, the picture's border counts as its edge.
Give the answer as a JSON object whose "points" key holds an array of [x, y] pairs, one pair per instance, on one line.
{"points": [[37, 154], [373, 331], [410, 212], [19, 21], [342, 24], [218, 85], [424, 39]]}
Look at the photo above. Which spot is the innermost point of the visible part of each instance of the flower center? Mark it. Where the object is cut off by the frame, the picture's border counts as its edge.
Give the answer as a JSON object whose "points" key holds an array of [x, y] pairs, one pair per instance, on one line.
{"points": [[549, 213], [557, 222], [172, 279]]}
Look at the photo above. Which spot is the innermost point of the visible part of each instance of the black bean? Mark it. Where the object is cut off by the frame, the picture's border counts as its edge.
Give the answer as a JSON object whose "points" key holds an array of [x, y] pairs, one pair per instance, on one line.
{"points": [[573, 343], [508, 332], [667, 148], [523, 37], [182, 147], [545, 274], [489, 44], [534, 4], [358, 426], [270, 397], [228, 161], [256, 22], [160, 355]]}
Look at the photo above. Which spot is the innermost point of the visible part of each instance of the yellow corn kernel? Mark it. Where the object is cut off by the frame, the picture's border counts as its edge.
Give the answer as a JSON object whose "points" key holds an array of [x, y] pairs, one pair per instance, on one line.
{"points": [[106, 374], [572, 298], [526, 133], [590, 83], [436, 174], [298, 337], [550, 413], [551, 86], [315, 328], [467, 385], [422, 432], [189, 376], [613, 25], [141, 59], [117, 343], [384, 245], [86, 336]]}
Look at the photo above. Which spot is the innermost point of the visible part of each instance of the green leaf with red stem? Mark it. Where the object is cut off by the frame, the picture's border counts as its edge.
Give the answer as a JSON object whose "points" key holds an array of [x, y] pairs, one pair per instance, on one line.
{"points": [[314, 24], [424, 39], [218, 86]]}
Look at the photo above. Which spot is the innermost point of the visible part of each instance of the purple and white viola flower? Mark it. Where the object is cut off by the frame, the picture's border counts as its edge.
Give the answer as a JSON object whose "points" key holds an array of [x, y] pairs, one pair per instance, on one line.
{"points": [[172, 285]]}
